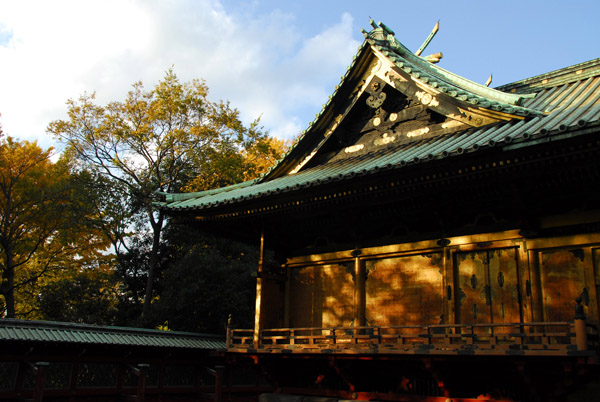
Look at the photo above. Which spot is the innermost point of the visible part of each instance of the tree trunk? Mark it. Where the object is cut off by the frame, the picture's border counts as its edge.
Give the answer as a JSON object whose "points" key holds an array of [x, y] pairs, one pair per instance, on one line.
{"points": [[9, 285], [156, 228]]}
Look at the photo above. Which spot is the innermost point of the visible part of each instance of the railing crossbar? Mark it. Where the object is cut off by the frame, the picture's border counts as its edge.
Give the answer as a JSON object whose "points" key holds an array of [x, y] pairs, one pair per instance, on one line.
{"points": [[523, 336]]}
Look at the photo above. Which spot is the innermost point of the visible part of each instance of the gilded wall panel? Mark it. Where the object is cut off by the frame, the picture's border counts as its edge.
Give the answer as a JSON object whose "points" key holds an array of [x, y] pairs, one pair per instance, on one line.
{"points": [[322, 296], [405, 290], [563, 281], [271, 312], [304, 288], [488, 287]]}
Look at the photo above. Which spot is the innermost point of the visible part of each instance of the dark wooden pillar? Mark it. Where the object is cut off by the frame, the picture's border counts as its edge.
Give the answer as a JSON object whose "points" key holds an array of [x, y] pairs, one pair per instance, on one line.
{"points": [[141, 384], [537, 302], [580, 327], [258, 319], [287, 297], [140, 371], [360, 316], [219, 373], [40, 380], [121, 378], [73, 380], [21, 372], [229, 381], [524, 282], [161, 380], [449, 286]]}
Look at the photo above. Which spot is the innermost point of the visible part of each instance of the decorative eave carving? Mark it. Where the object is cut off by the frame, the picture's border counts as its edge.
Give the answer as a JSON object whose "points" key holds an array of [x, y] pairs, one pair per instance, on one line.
{"points": [[381, 57]]}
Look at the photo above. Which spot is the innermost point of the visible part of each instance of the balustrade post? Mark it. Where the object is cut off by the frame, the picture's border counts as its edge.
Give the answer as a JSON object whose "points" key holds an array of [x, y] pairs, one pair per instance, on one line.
{"points": [[521, 339], [140, 371], [229, 338], [471, 338], [141, 384], [580, 326], [40, 379]]}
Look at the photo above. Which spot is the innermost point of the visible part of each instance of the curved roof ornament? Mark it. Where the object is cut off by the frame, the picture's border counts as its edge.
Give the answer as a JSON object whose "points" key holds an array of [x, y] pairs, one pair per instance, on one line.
{"points": [[382, 39], [435, 29]]}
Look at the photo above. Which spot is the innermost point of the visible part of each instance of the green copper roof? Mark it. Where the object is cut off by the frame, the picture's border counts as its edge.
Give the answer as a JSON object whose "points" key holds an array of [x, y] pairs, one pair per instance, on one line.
{"points": [[571, 107], [199, 194], [567, 75], [59, 332], [566, 103], [445, 81], [382, 39]]}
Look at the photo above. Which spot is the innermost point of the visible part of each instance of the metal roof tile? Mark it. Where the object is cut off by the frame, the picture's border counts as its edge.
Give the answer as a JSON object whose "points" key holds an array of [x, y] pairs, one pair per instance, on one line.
{"points": [[570, 105], [53, 332]]}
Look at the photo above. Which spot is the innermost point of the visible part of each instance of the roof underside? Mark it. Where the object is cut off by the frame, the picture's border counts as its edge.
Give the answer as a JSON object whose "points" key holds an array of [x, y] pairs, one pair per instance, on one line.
{"points": [[566, 103]]}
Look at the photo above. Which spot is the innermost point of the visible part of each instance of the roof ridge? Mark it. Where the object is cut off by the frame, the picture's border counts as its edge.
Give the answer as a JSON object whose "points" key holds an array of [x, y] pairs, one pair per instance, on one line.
{"points": [[452, 84], [450, 77], [71, 326], [576, 72]]}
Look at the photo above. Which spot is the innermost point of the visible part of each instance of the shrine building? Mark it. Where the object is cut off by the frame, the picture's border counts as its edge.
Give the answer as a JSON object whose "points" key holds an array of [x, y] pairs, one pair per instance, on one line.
{"points": [[435, 239]]}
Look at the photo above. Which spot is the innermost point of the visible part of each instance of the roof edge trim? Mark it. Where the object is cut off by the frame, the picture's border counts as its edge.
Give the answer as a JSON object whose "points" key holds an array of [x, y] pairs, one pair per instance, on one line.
{"points": [[174, 197]]}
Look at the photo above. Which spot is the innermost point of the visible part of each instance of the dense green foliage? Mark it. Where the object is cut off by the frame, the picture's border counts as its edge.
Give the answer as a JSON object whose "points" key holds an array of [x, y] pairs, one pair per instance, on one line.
{"points": [[86, 297], [217, 274]]}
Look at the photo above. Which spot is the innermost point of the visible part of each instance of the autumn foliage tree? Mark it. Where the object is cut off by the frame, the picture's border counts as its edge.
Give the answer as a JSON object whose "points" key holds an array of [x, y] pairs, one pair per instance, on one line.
{"points": [[166, 139], [36, 208], [26, 187]]}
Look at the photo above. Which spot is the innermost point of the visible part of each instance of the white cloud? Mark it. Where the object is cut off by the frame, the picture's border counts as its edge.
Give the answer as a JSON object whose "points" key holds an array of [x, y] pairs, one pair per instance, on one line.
{"points": [[53, 51], [292, 79], [58, 50]]}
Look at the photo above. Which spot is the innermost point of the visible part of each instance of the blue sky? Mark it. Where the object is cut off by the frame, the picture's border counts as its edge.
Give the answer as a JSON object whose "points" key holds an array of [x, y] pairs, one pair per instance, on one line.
{"points": [[271, 58]]}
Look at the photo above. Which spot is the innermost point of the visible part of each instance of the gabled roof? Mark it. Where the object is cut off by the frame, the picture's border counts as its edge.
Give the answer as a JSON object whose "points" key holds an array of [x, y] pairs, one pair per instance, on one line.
{"points": [[71, 333], [382, 55], [548, 107]]}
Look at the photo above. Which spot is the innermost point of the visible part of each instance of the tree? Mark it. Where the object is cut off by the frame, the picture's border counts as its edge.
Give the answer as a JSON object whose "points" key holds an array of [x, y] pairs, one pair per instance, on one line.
{"points": [[156, 141], [35, 209], [88, 295], [256, 156], [217, 273], [26, 184]]}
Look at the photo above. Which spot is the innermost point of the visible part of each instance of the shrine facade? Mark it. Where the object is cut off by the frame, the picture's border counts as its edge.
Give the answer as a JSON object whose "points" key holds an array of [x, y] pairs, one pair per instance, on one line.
{"points": [[427, 226]]}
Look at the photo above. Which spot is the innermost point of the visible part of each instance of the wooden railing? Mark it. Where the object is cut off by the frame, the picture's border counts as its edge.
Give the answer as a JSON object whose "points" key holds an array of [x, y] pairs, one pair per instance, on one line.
{"points": [[559, 338]]}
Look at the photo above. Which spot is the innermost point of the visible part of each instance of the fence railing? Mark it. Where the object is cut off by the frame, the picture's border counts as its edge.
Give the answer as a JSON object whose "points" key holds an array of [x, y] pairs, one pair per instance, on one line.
{"points": [[529, 338]]}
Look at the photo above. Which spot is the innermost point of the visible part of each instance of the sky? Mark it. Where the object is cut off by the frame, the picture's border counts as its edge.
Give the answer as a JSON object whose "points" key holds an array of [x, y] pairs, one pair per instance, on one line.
{"points": [[274, 59]]}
